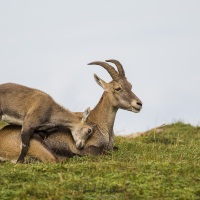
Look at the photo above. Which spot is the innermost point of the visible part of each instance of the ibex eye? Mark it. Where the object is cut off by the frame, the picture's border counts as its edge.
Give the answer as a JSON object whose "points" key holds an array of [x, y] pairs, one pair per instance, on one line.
{"points": [[118, 89]]}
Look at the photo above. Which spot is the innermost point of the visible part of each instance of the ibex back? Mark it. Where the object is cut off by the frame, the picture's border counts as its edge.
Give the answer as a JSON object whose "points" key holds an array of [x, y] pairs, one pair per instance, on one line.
{"points": [[36, 110]]}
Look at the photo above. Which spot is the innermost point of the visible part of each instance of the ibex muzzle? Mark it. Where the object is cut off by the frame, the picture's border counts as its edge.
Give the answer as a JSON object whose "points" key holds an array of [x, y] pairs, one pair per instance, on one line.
{"points": [[36, 110]]}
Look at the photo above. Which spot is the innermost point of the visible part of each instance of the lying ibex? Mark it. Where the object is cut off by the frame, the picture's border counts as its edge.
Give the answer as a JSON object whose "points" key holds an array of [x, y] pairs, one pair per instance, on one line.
{"points": [[117, 94], [36, 110]]}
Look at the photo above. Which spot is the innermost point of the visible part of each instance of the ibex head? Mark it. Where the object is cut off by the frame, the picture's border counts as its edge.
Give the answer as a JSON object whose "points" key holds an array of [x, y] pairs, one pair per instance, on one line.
{"points": [[82, 131], [119, 89]]}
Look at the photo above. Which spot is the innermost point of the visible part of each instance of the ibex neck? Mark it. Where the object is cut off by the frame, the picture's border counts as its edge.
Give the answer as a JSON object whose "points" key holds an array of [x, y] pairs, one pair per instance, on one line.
{"points": [[63, 117], [104, 115]]}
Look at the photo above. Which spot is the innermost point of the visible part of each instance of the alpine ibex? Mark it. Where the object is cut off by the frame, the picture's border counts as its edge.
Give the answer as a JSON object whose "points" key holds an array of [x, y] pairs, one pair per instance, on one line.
{"points": [[117, 95], [36, 110]]}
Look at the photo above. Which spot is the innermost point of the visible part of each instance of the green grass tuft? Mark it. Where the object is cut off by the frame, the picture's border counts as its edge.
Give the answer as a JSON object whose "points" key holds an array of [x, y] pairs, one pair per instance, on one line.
{"points": [[2, 124], [160, 165]]}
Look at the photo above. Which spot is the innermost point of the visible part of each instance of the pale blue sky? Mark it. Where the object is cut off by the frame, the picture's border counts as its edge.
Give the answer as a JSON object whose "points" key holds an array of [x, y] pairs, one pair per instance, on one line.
{"points": [[47, 45]]}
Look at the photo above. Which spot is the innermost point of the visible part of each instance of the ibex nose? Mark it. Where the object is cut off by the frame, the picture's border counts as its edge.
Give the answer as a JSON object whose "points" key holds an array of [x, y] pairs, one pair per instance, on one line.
{"points": [[139, 103]]}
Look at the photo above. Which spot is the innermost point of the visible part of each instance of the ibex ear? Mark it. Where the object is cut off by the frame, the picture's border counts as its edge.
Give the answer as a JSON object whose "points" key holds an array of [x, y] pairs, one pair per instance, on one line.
{"points": [[86, 114], [100, 82]]}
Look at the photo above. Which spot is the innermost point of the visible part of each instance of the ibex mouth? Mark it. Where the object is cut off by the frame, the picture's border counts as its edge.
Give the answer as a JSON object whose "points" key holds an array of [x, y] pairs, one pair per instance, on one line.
{"points": [[79, 145], [134, 109]]}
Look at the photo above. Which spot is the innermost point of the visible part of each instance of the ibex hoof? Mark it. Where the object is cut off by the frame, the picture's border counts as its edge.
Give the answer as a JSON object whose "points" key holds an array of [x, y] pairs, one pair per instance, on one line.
{"points": [[20, 160]]}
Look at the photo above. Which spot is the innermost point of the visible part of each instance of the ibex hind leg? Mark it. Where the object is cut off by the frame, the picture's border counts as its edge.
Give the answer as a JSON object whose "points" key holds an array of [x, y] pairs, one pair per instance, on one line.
{"points": [[38, 149]]}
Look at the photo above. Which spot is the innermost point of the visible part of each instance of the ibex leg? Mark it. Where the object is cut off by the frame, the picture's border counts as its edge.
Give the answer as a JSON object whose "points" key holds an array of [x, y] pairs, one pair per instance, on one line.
{"points": [[25, 137]]}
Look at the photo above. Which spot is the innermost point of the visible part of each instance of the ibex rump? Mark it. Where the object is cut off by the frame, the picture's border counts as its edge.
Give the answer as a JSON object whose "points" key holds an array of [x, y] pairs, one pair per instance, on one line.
{"points": [[36, 110]]}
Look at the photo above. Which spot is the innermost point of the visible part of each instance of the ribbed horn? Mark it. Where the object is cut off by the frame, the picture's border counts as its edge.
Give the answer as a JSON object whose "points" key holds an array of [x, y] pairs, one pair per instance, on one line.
{"points": [[118, 65], [111, 70]]}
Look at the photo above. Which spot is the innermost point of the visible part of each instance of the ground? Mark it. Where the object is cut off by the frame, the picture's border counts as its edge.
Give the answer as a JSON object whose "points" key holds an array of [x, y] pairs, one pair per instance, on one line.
{"points": [[164, 163]]}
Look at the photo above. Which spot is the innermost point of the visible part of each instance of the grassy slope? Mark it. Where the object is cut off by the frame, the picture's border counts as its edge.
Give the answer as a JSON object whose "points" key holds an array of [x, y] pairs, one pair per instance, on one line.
{"points": [[163, 165]]}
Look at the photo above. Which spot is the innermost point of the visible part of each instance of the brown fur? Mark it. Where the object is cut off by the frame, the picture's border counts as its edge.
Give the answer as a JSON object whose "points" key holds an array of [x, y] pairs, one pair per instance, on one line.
{"points": [[10, 138]]}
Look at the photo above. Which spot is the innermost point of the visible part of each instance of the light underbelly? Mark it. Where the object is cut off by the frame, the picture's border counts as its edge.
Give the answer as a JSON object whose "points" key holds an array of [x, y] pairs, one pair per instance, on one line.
{"points": [[11, 120]]}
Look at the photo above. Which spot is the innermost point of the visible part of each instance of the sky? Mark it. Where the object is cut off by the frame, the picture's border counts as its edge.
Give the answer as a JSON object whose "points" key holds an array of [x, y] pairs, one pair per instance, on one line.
{"points": [[47, 44]]}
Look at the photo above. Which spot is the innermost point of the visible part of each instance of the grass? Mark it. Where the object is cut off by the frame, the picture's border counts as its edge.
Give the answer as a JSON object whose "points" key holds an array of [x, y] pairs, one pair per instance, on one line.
{"points": [[163, 165]]}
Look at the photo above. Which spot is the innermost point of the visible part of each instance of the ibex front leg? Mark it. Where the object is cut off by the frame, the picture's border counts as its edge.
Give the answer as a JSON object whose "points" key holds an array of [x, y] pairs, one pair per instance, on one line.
{"points": [[25, 137]]}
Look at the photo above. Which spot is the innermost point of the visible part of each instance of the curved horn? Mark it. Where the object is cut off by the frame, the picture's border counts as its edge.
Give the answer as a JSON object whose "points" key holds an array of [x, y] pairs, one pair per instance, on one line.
{"points": [[111, 70], [118, 65]]}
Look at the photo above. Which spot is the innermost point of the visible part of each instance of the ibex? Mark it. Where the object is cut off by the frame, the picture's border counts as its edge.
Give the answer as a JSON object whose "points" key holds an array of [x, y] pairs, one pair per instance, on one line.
{"points": [[36, 110], [117, 95]]}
